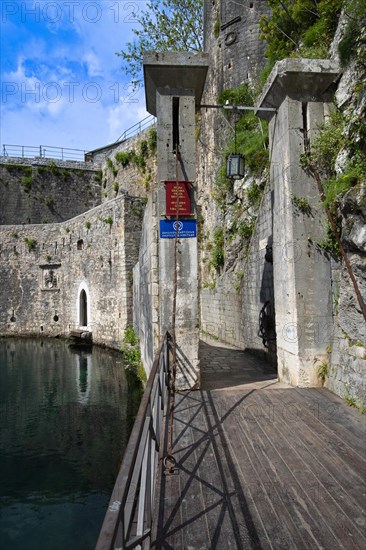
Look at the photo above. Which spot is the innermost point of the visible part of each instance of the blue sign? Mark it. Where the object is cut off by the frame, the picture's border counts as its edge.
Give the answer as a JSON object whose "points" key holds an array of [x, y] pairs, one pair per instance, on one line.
{"points": [[186, 229]]}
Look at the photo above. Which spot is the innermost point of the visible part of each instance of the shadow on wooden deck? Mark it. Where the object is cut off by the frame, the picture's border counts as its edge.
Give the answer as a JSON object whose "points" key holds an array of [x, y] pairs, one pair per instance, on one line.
{"points": [[263, 465]]}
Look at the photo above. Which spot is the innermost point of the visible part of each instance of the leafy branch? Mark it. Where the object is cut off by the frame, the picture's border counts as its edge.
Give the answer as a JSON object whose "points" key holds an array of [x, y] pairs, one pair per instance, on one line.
{"points": [[167, 25]]}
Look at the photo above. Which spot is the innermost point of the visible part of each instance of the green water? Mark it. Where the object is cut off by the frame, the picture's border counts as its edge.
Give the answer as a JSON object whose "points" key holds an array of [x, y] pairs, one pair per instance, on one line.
{"points": [[65, 418]]}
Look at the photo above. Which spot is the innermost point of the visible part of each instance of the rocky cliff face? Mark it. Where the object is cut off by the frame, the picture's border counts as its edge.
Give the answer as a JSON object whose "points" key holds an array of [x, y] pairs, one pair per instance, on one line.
{"points": [[348, 352]]}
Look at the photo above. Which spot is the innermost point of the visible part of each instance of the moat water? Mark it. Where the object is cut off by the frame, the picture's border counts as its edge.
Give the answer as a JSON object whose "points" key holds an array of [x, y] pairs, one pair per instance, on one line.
{"points": [[65, 418]]}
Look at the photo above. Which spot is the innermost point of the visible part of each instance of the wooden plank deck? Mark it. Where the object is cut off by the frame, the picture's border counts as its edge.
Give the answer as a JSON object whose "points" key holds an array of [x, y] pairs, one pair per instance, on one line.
{"points": [[262, 465]]}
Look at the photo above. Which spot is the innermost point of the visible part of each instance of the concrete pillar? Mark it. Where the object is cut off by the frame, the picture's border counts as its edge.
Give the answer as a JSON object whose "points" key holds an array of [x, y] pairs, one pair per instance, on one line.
{"points": [[300, 90], [177, 79]]}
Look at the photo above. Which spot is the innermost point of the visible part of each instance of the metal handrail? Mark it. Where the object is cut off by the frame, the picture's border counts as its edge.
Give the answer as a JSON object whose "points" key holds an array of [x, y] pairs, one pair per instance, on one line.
{"points": [[128, 521], [137, 128], [43, 151]]}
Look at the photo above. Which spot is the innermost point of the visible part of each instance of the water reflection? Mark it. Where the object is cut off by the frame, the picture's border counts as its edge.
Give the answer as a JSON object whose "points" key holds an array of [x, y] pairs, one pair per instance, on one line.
{"points": [[64, 424], [83, 376]]}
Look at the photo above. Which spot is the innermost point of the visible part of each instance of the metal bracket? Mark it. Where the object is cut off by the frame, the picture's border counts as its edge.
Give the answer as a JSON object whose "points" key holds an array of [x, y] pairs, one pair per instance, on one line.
{"points": [[170, 468], [239, 108]]}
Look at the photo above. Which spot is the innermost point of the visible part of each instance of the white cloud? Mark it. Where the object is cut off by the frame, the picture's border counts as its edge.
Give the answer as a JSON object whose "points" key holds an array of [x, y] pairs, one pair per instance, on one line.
{"points": [[124, 115], [93, 64]]}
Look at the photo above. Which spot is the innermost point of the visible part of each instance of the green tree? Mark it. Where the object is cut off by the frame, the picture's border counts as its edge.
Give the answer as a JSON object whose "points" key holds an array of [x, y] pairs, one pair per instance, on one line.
{"points": [[167, 25]]}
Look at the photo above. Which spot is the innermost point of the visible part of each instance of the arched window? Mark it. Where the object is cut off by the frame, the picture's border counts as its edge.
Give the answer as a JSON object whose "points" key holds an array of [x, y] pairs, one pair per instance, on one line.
{"points": [[83, 311]]}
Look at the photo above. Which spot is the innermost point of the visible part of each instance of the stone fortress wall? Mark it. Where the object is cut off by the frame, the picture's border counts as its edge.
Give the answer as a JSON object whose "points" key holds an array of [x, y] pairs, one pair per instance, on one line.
{"points": [[40, 190], [130, 179], [45, 268], [232, 309]]}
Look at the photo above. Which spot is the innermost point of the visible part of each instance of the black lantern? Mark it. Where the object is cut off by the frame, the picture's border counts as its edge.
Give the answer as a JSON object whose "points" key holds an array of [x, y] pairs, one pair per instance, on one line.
{"points": [[235, 166], [235, 161]]}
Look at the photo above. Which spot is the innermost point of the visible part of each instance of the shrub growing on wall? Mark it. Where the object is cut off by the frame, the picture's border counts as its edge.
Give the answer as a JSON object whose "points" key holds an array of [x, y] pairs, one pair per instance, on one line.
{"points": [[299, 28]]}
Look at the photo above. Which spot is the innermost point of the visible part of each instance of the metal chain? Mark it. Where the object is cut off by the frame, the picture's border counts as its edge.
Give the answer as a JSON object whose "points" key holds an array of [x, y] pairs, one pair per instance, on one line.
{"points": [[169, 461]]}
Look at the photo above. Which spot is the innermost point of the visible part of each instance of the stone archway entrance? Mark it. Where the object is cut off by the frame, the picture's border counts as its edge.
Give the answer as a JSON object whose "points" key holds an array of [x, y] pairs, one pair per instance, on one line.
{"points": [[83, 307]]}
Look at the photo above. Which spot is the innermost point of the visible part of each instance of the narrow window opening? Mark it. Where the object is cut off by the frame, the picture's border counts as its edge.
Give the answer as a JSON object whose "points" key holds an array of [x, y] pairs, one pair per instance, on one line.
{"points": [[80, 244], [251, 4], [304, 107], [83, 309], [175, 105]]}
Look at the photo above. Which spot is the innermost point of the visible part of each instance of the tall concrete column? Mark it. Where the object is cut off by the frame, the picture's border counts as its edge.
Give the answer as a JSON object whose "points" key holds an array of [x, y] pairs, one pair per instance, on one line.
{"points": [[301, 91], [174, 84]]}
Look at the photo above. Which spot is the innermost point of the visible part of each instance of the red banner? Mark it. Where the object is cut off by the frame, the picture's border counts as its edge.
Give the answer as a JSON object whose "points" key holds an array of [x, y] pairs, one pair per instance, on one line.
{"points": [[178, 200]]}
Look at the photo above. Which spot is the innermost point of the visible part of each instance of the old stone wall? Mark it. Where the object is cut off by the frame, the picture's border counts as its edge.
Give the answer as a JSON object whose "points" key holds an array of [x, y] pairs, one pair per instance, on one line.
{"points": [[45, 268], [146, 286], [136, 178], [44, 191], [232, 311], [231, 37], [347, 350], [231, 33], [236, 56]]}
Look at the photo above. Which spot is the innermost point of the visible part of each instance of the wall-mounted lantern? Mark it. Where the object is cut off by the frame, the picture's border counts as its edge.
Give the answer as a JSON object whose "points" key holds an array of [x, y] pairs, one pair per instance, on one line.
{"points": [[235, 161], [235, 166]]}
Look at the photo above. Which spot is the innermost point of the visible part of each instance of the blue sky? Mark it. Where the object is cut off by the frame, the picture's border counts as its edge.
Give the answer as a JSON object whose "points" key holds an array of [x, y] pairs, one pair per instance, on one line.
{"points": [[61, 82]]}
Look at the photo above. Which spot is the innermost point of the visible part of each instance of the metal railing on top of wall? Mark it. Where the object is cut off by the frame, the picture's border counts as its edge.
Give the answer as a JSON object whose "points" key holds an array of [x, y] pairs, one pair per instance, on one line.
{"points": [[137, 128], [44, 151], [128, 521]]}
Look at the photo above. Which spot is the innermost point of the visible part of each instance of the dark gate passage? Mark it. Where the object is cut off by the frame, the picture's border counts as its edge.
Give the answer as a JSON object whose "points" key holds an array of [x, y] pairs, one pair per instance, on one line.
{"points": [[83, 309]]}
